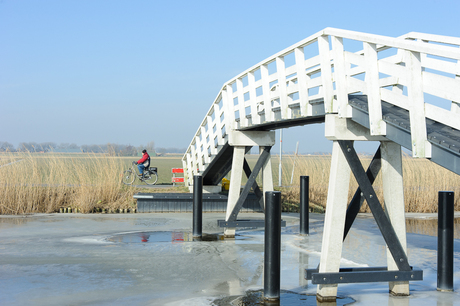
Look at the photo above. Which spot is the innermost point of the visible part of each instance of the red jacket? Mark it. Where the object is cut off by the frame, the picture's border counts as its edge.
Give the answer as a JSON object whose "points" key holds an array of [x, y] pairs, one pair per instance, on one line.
{"points": [[145, 157]]}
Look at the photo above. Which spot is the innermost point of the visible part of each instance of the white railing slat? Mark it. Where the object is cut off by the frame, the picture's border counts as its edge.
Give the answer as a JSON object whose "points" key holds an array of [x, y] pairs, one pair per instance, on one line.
{"points": [[443, 116], [326, 74], [282, 91], [441, 86], [377, 125], [302, 80], [417, 106]]}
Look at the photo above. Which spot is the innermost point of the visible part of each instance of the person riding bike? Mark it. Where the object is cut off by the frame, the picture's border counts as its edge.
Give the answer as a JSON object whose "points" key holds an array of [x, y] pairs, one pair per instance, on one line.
{"points": [[143, 163]]}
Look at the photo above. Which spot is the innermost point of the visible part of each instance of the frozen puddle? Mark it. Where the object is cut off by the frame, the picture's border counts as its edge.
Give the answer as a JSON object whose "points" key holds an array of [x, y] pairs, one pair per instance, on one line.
{"points": [[164, 236]]}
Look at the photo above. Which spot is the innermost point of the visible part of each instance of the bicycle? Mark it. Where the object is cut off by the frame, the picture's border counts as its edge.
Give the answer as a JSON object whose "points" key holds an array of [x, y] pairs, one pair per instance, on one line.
{"points": [[149, 176]]}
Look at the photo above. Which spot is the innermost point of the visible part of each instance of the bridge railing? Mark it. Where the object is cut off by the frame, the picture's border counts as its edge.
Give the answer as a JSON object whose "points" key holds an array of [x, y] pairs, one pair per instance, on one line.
{"points": [[417, 72]]}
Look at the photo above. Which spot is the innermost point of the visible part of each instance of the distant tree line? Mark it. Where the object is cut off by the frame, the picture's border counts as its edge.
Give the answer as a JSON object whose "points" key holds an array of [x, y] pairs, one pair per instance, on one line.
{"points": [[170, 150], [35, 147], [110, 148]]}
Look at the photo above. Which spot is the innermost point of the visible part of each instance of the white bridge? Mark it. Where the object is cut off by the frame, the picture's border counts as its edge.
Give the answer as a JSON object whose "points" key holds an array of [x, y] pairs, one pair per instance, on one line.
{"points": [[402, 92]]}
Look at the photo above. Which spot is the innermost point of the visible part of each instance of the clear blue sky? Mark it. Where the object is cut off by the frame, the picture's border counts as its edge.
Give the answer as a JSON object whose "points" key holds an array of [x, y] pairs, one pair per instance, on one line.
{"points": [[130, 72]]}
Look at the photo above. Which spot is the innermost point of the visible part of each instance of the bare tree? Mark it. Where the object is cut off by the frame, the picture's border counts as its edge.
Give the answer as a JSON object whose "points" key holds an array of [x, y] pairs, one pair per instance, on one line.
{"points": [[29, 146], [150, 146], [48, 146], [63, 145], [6, 146]]}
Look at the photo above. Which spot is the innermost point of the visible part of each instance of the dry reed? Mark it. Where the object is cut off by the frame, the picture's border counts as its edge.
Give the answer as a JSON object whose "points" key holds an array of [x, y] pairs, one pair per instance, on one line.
{"points": [[422, 181], [44, 183]]}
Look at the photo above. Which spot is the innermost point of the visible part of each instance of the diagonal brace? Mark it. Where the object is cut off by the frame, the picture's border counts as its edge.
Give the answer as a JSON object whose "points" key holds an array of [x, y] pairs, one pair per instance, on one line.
{"points": [[380, 217], [255, 187], [251, 180], [358, 198]]}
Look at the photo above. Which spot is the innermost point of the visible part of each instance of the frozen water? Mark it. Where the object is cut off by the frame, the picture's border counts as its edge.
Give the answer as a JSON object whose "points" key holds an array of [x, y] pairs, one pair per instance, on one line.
{"points": [[73, 259], [255, 298]]}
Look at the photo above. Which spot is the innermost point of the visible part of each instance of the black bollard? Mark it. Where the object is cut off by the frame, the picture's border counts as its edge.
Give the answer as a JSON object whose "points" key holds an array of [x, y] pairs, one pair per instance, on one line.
{"points": [[304, 199], [445, 241], [197, 206], [272, 255]]}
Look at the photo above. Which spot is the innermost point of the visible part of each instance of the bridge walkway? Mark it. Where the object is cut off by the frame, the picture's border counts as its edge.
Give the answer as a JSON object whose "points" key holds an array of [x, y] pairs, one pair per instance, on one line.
{"points": [[400, 91]]}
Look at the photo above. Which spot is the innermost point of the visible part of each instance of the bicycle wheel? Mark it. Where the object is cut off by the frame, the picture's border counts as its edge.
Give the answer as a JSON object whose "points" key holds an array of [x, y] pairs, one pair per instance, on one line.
{"points": [[128, 177], [150, 178]]}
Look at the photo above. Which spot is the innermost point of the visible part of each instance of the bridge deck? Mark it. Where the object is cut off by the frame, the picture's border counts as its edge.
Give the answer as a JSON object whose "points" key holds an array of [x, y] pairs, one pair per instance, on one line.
{"points": [[445, 140]]}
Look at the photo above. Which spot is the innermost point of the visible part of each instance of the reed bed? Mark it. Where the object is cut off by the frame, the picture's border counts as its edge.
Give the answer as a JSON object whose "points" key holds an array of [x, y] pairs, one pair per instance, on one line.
{"points": [[422, 182], [44, 183]]}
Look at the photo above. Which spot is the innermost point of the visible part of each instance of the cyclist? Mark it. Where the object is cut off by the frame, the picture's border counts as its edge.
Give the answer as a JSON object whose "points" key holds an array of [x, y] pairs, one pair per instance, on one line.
{"points": [[143, 163]]}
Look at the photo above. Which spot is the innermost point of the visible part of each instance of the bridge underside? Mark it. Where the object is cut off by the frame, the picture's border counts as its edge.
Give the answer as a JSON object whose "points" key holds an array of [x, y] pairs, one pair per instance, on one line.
{"points": [[444, 139], [282, 124], [219, 166]]}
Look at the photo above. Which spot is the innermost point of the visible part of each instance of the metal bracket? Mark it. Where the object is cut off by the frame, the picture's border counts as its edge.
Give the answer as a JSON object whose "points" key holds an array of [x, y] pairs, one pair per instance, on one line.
{"points": [[363, 275]]}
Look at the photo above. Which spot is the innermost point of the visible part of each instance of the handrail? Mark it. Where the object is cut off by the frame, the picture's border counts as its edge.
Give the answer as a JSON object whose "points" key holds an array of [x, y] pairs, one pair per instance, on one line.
{"points": [[416, 71], [454, 41]]}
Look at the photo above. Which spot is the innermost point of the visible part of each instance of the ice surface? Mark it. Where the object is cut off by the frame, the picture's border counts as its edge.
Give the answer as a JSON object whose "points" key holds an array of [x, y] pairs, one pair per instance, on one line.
{"points": [[73, 259]]}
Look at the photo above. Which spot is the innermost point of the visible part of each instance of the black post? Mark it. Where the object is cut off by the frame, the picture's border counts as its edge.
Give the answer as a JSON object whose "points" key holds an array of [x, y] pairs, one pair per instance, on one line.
{"points": [[304, 199], [272, 256], [446, 241], [197, 206]]}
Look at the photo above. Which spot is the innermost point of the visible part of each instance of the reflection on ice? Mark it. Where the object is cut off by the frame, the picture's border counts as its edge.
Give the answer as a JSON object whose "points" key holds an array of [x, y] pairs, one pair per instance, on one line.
{"points": [[162, 236], [398, 301], [303, 265], [429, 226]]}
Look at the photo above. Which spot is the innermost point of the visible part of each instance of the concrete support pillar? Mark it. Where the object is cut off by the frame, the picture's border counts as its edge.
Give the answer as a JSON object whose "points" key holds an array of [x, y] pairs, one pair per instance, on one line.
{"points": [[239, 141], [393, 194], [334, 222], [235, 185]]}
